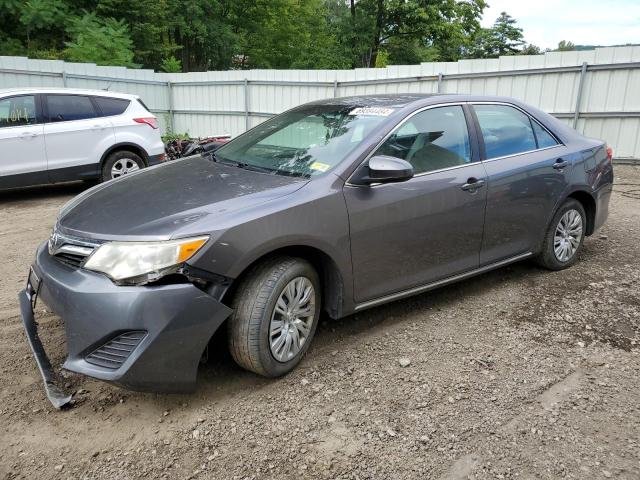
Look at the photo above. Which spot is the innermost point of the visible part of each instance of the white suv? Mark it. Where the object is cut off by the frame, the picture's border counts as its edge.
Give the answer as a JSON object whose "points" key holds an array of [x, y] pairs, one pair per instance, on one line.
{"points": [[56, 135]]}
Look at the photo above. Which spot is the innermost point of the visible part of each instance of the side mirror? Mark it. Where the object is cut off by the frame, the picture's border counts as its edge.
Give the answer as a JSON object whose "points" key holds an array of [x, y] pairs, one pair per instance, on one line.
{"points": [[383, 169]]}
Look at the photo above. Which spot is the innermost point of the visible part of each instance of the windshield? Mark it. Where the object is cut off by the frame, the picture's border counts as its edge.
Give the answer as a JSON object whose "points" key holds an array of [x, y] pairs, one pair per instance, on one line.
{"points": [[303, 142]]}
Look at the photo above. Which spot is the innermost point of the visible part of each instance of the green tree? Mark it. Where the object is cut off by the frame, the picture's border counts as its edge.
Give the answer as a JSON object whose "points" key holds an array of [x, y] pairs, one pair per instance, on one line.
{"points": [[149, 23], [454, 35], [503, 38], [37, 15], [410, 31], [409, 51], [565, 46], [202, 32], [508, 37], [390, 19], [196, 32], [98, 40], [193, 35], [530, 49], [284, 34], [171, 65]]}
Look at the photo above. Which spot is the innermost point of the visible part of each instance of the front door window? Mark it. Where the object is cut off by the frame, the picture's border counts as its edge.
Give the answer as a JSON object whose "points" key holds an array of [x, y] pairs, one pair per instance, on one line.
{"points": [[433, 139]]}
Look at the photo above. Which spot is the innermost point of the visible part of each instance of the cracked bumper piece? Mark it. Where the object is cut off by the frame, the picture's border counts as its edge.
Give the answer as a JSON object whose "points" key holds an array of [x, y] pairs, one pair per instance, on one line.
{"points": [[147, 338]]}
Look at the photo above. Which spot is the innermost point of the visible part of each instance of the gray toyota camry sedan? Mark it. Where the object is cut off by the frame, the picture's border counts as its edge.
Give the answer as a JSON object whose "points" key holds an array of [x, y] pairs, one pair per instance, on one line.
{"points": [[334, 206]]}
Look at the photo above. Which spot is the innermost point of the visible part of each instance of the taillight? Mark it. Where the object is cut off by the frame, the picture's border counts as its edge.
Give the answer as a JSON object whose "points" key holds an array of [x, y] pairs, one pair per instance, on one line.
{"points": [[610, 154], [151, 121]]}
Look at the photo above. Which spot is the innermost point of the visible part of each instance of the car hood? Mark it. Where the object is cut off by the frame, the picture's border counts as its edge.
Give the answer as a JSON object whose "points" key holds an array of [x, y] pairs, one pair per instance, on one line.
{"points": [[158, 202]]}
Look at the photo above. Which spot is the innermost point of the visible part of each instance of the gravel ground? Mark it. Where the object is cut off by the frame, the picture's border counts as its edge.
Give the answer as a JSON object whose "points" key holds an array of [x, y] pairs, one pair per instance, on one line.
{"points": [[519, 373]]}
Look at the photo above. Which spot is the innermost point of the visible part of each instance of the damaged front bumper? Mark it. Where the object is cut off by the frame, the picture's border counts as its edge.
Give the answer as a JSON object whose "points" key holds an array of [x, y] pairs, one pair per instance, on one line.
{"points": [[144, 338]]}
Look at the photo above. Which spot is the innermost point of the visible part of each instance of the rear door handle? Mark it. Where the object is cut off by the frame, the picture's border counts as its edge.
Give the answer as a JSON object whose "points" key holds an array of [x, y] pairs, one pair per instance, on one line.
{"points": [[472, 184], [560, 164]]}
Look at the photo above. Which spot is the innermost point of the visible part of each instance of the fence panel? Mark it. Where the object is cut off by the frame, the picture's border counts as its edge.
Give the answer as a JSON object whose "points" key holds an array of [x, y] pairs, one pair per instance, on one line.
{"points": [[602, 84]]}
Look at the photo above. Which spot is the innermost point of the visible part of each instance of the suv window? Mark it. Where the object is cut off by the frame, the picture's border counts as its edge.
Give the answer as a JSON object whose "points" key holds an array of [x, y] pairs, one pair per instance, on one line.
{"points": [[506, 130], [111, 106], [431, 140], [18, 111], [65, 108]]}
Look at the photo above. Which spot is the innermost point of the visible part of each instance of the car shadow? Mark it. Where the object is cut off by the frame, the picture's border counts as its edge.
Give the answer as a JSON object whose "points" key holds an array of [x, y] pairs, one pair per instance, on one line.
{"points": [[342, 333], [219, 377], [43, 192]]}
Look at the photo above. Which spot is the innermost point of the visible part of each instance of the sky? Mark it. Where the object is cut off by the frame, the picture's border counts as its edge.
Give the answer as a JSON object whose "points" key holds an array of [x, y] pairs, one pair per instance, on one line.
{"points": [[583, 22]]}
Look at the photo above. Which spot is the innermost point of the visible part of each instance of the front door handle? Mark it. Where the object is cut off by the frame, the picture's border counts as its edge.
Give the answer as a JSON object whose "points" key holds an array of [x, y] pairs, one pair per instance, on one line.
{"points": [[472, 184], [29, 134], [560, 164]]}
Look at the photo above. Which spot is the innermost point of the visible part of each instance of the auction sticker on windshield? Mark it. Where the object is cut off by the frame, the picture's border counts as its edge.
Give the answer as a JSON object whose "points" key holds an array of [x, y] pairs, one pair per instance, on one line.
{"points": [[322, 167], [375, 111]]}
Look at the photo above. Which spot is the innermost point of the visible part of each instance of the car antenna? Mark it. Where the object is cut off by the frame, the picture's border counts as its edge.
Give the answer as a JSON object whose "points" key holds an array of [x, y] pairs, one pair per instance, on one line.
{"points": [[106, 89]]}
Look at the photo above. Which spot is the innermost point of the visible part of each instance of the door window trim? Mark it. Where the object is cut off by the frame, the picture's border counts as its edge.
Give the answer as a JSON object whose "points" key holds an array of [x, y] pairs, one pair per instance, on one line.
{"points": [[471, 132], [483, 152], [39, 113]]}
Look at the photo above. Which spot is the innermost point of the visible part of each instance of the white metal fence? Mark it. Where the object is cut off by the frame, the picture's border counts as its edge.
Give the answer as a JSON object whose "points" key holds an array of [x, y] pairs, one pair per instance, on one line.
{"points": [[597, 92]]}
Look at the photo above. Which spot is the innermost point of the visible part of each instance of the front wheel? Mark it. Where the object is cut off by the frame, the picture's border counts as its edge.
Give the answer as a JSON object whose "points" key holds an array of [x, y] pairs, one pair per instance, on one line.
{"points": [[565, 236], [276, 311]]}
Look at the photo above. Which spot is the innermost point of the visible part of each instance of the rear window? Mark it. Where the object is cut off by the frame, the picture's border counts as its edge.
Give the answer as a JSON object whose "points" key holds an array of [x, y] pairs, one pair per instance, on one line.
{"points": [[66, 108], [111, 106]]}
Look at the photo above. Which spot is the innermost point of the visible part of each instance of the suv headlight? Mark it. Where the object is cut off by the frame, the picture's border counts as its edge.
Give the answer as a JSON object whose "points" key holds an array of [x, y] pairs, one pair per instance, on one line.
{"points": [[142, 262]]}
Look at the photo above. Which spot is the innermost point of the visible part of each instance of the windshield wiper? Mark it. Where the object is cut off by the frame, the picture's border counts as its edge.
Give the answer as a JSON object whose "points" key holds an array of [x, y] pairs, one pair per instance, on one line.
{"points": [[256, 168], [236, 163]]}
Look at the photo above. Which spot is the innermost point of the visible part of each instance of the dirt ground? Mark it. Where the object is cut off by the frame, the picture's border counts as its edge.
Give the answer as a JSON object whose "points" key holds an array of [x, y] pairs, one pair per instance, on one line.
{"points": [[519, 373]]}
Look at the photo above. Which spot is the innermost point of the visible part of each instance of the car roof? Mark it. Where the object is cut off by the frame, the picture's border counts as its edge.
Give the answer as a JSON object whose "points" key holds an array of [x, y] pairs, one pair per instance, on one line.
{"points": [[400, 100], [69, 91]]}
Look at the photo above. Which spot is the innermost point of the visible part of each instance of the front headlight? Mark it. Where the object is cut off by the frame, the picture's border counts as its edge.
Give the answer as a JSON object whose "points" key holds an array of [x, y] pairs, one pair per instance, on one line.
{"points": [[142, 262]]}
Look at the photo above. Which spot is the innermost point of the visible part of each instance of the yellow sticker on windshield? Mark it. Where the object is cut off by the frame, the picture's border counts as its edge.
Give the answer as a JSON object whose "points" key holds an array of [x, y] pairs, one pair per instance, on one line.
{"points": [[322, 167]]}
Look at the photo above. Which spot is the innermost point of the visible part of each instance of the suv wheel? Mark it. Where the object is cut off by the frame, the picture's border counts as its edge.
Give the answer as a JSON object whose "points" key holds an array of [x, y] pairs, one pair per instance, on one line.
{"points": [[121, 163], [276, 311], [565, 236]]}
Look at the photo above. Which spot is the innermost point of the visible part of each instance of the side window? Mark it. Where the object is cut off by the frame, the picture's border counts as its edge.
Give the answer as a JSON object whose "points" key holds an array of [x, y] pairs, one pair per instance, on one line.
{"points": [[543, 137], [65, 108], [506, 130], [18, 111], [111, 106], [431, 140]]}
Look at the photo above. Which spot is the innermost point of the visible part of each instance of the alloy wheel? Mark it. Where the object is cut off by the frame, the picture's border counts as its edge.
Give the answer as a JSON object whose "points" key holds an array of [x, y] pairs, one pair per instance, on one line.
{"points": [[292, 319], [568, 235], [123, 166]]}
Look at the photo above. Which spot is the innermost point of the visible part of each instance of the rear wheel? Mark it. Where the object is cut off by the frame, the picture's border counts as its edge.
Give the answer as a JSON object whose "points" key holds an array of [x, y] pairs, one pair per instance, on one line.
{"points": [[565, 236], [121, 163], [276, 311]]}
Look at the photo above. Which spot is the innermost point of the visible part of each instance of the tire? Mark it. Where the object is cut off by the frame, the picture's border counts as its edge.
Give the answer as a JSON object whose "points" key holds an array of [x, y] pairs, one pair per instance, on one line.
{"points": [[128, 160], [248, 329], [548, 257]]}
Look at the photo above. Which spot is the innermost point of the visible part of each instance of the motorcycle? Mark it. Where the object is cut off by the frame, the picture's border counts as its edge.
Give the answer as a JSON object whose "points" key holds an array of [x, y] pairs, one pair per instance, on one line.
{"points": [[180, 148]]}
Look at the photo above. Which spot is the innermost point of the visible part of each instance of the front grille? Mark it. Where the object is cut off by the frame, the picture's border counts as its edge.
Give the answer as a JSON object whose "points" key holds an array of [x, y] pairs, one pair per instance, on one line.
{"points": [[70, 259], [69, 250], [116, 351]]}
